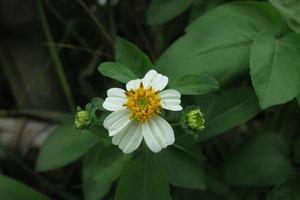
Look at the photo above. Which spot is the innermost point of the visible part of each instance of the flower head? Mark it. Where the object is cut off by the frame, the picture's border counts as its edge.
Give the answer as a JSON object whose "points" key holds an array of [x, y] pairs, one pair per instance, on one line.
{"points": [[193, 120], [82, 118], [136, 113]]}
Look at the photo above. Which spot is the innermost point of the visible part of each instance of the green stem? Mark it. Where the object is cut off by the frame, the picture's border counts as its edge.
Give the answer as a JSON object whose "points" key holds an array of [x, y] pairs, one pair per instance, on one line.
{"points": [[98, 24], [56, 60]]}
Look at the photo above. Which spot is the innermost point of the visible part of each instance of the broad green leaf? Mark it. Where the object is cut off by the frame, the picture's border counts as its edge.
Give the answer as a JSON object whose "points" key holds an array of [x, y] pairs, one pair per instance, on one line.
{"points": [[102, 165], [262, 161], [200, 7], [274, 65], [143, 179], [11, 189], [195, 84], [181, 168], [290, 9], [116, 71], [218, 43], [160, 12], [64, 145], [288, 190], [223, 111], [132, 57]]}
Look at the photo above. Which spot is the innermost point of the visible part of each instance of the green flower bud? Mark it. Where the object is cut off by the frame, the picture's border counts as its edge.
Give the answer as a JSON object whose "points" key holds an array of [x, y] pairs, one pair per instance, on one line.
{"points": [[82, 119], [195, 120]]}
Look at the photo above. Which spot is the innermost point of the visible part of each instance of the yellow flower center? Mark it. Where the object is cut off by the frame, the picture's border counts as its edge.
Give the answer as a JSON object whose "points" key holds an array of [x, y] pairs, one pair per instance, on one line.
{"points": [[144, 103]]}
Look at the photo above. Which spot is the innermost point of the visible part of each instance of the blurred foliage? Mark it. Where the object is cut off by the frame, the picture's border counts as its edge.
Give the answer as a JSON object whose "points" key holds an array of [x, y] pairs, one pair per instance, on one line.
{"points": [[237, 61]]}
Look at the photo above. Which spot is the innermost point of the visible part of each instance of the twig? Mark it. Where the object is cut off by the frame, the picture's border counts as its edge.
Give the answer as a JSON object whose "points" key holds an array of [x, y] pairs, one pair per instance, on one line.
{"points": [[98, 24]]}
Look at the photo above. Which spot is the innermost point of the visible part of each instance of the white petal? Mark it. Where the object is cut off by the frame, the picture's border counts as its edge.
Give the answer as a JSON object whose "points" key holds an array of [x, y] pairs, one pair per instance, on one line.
{"points": [[148, 78], [119, 125], [113, 103], [158, 133], [155, 80], [151, 141], [115, 116], [160, 82], [133, 84], [166, 129], [116, 92], [156, 130], [170, 100], [130, 139], [115, 99]]}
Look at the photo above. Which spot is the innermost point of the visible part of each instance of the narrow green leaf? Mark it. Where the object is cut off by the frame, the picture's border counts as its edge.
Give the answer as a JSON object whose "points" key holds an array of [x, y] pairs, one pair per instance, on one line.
{"points": [[288, 190], [261, 162], [160, 12], [182, 168], [102, 165], [116, 71], [11, 189], [290, 9], [64, 145], [142, 179], [275, 71], [132, 57], [195, 84], [223, 53]]}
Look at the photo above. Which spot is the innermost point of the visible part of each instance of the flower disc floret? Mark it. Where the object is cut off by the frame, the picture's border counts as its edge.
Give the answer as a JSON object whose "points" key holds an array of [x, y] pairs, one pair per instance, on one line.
{"points": [[144, 103]]}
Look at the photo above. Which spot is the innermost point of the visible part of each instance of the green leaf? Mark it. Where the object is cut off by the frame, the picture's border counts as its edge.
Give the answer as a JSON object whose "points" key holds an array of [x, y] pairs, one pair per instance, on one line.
{"points": [[97, 103], [195, 84], [290, 9], [275, 71], [218, 43], [200, 7], [220, 189], [11, 189], [223, 111], [288, 190], [160, 12], [262, 161], [116, 71], [102, 165], [132, 57], [182, 168], [64, 145], [142, 179]]}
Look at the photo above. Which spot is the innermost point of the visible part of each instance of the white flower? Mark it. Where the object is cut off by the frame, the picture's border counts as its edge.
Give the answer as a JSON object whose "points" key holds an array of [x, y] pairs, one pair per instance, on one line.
{"points": [[136, 113]]}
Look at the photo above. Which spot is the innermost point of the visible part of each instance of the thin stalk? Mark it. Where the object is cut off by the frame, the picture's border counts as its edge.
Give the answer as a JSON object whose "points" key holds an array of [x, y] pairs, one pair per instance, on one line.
{"points": [[56, 60], [98, 24]]}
